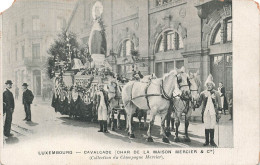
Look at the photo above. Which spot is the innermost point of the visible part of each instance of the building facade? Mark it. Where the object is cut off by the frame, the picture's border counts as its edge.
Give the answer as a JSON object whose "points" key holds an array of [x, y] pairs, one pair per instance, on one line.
{"points": [[29, 28], [168, 34]]}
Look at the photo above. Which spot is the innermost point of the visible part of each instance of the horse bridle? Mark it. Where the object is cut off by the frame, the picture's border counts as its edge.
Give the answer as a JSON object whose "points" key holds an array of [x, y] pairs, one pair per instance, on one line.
{"points": [[191, 90]]}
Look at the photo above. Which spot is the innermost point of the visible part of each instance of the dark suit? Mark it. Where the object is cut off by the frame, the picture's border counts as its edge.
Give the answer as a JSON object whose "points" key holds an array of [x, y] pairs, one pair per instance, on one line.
{"points": [[27, 101], [8, 103]]}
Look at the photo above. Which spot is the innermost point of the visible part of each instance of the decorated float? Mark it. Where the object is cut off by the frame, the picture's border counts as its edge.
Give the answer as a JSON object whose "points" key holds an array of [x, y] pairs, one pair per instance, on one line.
{"points": [[77, 71]]}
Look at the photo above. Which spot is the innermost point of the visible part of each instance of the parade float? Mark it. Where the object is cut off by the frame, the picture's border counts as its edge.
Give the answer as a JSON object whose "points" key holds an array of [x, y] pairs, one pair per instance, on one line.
{"points": [[77, 71]]}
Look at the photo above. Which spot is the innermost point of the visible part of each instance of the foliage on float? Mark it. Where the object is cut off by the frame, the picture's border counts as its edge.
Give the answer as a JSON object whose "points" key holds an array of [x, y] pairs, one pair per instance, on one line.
{"points": [[61, 50]]}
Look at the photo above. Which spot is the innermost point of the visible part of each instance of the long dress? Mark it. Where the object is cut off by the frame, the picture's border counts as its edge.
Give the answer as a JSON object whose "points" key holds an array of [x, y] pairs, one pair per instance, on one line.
{"points": [[222, 93]]}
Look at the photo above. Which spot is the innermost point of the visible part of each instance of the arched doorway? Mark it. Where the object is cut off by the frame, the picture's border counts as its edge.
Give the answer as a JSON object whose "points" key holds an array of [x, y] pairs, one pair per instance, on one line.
{"points": [[37, 82]]}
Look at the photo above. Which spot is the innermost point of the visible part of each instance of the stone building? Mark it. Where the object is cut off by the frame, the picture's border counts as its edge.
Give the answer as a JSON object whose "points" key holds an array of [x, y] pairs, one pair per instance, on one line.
{"points": [[29, 27], [166, 33]]}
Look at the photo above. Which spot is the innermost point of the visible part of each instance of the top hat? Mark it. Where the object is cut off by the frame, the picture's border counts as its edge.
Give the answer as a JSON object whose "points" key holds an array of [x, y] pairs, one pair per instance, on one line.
{"points": [[9, 82], [25, 84]]}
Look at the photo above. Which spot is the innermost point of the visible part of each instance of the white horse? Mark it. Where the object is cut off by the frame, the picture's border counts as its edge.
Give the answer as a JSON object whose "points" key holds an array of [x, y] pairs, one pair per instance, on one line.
{"points": [[115, 103], [156, 96], [182, 105]]}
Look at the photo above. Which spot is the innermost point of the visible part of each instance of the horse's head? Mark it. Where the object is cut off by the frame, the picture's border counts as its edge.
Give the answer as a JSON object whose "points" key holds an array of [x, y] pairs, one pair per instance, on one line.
{"points": [[195, 85], [183, 82]]}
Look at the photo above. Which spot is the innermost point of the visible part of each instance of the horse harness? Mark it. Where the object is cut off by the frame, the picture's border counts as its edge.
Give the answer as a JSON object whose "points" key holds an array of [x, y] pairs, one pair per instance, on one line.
{"points": [[163, 94]]}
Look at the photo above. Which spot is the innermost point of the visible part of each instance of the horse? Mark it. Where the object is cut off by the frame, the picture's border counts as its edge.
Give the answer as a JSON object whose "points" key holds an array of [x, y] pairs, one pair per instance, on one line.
{"points": [[115, 103], [182, 105], [157, 94]]}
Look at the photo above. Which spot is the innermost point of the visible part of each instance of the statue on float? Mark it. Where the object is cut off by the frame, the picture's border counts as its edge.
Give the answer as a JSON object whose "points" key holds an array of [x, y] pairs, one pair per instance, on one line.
{"points": [[97, 39]]}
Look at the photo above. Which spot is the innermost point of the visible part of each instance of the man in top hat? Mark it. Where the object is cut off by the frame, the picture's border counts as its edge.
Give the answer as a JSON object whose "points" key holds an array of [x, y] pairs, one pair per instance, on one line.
{"points": [[27, 101], [8, 107], [211, 109]]}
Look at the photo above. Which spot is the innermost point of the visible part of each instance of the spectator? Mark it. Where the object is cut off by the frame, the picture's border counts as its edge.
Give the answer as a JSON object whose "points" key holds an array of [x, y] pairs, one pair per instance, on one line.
{"points": [[16, 93], [230, 104], [222, 93]]}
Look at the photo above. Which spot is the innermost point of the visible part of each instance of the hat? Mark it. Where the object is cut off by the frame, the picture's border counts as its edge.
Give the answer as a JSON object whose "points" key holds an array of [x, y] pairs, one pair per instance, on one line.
{"points": [[9, 82], [209, 80], [25, 84]]}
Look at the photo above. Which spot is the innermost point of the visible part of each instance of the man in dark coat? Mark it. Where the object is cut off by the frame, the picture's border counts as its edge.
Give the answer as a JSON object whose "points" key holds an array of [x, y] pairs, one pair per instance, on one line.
{"points": [[222, 92], [27, 101], [8, 107]]}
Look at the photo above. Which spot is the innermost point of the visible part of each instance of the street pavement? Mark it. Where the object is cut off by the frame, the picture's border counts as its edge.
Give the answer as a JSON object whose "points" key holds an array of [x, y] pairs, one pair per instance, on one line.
{"points": [[50, 128]]}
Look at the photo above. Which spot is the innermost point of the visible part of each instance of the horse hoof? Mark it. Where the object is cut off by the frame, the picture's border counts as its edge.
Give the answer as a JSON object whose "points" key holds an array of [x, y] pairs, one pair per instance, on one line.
{"points": [[165, 140], [132, 135], [173, 130], [168, 134], [186, 139], [149, 139], [177, 139]]}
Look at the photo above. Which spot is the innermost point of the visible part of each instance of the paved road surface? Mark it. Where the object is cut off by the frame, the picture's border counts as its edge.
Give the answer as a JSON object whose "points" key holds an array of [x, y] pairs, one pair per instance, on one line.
{"points": [[46, 125]]}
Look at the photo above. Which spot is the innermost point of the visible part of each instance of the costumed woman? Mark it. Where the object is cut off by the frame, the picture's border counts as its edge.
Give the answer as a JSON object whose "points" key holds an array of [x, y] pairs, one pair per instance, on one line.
{"points": [[211, 110]]}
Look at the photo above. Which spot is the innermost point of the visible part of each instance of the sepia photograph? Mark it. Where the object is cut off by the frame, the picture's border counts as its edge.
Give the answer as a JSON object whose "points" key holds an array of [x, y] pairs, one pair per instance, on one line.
{"points": [[111, 79]]}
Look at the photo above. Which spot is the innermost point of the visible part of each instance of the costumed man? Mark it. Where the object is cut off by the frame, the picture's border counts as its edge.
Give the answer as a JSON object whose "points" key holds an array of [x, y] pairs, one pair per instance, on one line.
{"points": [[8, 108], [27, 101], [222, 92], [211, 109], [101, 103]]}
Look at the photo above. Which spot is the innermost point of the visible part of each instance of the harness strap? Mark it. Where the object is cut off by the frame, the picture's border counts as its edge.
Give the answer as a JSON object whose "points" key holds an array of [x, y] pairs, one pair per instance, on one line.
{"points": [[164, 94], [146, 95]]}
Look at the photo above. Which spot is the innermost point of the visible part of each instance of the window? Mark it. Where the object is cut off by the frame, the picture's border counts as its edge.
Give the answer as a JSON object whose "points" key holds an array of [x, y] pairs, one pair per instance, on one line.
{"points": [[36, 51], [60, 23], [16, 54], [217, 36], [161, 2], [36, 23], [161, 45], [125, 48], [22, 25], [168, 66], [229, 30], [179, 64], [223, 32], [128, 47], [15, 29], [169, 40], [23, 52]]}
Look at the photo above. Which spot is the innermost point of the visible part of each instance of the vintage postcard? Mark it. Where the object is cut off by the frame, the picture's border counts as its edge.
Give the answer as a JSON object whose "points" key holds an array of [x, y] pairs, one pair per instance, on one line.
{"points": [[130, 82]]}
